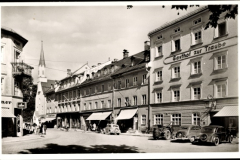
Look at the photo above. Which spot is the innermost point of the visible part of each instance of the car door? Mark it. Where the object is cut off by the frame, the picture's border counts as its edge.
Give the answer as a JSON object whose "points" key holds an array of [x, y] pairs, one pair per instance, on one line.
{"points": [[194, 131]]}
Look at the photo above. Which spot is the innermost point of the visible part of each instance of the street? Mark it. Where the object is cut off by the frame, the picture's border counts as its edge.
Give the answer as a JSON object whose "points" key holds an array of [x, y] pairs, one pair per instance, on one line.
{"points": [[57, 141]]}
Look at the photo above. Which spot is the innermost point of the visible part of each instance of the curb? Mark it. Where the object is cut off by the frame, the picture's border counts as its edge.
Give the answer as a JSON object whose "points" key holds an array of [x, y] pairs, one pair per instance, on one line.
{"points": [[18, 139]]}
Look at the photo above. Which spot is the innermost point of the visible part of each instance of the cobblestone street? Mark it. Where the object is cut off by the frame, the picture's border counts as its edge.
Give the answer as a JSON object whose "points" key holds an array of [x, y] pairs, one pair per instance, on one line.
{"points": [[57, 141]]}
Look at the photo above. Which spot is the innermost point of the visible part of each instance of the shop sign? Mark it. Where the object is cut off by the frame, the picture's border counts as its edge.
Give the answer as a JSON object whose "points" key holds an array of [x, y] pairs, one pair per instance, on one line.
{"points": [[199, 51], [22, 105], [6, 102]]}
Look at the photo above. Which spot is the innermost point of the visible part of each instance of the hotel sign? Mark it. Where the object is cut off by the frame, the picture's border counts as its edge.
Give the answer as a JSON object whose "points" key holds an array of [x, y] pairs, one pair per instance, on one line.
{"points": [[199, 51], [22, 105]]}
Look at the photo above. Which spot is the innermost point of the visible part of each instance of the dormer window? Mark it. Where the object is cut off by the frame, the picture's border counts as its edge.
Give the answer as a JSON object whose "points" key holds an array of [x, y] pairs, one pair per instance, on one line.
{"points": [[197, 21], [93, 74], [88, 76]]}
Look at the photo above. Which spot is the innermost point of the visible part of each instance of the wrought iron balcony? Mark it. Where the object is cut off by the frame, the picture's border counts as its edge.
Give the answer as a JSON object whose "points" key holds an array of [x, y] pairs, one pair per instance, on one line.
{"points": [[21, 68]]}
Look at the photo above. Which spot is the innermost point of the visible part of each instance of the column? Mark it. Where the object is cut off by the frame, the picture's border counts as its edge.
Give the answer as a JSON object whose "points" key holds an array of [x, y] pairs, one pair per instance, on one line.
{"points": [[65, 121], [21, 123], [70, 121]]}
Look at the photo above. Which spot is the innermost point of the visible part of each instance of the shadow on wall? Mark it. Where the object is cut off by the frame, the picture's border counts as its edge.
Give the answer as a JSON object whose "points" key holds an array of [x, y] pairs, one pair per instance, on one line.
{"points": [[55, 149]]}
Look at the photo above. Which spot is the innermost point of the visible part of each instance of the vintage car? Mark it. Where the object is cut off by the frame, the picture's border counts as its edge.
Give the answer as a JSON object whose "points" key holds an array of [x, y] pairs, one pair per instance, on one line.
{"points": [[213, 134], [186, 132], [111, 129], [165, 132]]}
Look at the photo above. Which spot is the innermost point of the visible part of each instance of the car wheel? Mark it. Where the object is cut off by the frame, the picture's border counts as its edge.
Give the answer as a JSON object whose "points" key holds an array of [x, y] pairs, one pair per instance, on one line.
{"points": [[216, 141], [230, 139], [167, 134]]}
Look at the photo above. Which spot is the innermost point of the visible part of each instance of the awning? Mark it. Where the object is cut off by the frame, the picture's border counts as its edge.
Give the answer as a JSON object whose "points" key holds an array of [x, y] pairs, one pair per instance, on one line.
{"points": [[99, 116], [127, 114], [227, 111], [47, 119], [6, 113]]}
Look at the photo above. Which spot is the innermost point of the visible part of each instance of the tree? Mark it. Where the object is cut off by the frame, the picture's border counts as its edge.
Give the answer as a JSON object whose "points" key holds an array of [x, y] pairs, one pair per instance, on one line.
{"points": [[29, 93], [229, 11]]}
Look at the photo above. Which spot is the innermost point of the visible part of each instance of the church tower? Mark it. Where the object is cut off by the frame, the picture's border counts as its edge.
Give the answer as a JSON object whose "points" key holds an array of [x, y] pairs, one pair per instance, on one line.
{"points": [[41, 67]]}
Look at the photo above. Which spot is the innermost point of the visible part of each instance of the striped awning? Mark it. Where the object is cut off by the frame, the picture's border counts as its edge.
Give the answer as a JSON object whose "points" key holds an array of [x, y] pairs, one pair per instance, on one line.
{"points": [[99, 116], [6, 113], [227, 111], [47, 119], [127, 114]]}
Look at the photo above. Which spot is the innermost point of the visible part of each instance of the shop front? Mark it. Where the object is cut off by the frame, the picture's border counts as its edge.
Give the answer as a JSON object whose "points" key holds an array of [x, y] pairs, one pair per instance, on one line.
{"points": [[8, 122], [228, 117], [128, 120], [99, 120], [70, 120], [49, 120]]}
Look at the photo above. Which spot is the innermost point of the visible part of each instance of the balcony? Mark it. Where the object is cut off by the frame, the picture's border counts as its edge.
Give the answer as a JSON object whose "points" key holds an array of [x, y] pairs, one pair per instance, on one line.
{"points": [[21, 69]]}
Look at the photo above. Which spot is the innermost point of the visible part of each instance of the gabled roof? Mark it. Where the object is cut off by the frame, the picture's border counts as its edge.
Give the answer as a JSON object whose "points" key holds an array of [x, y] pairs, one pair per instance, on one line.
{"points": [[47, 85], [164, 26]]}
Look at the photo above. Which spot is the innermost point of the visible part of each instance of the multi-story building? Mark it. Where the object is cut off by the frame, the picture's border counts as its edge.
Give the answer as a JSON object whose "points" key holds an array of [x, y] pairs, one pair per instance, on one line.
{"points": [[194, 70], [68, 99], [13, 70]]}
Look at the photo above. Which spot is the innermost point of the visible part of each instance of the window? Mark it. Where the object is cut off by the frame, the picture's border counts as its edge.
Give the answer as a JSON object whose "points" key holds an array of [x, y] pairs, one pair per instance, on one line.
{"points": [[220, 62], [158, 119], [159, 75], [127, 83], [119, 102], [143, 119], [221, 89], [84, 106], [177, 44], [134, 81], [196, 92], [176, 119], [127, 102], [196, 67], [90, 105], [221, 29], [176, 94], [197, 21], [102, 88], [196, 119], [158, 97], [90, 90], [96, 105], [176, 72], [134, 100], [144, 99], [196, 35], [158, 51], [144, 79], [119, 85], [109, 86], [109, 103], [102, 104]]}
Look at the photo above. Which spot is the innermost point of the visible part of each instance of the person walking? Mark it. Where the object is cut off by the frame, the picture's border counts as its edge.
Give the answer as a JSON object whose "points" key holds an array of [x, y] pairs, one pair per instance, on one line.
{"points": [[45, 128]]}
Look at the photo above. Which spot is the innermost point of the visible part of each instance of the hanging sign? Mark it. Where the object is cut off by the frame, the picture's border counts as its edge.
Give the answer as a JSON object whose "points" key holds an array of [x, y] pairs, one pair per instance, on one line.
{"points": [[22, 105]]}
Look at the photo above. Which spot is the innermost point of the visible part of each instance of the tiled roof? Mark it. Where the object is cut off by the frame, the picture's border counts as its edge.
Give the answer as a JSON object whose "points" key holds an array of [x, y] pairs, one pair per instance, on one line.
{"points": [[177, 20], [47, 85]]}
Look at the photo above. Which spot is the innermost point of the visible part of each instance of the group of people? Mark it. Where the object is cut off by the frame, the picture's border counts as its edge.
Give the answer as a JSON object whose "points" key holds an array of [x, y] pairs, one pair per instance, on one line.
{"points": [[41, 129]]}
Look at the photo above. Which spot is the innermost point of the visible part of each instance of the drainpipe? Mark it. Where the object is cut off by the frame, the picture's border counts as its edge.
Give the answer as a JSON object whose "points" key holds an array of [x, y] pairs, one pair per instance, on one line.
{"points": [[113, 95]]}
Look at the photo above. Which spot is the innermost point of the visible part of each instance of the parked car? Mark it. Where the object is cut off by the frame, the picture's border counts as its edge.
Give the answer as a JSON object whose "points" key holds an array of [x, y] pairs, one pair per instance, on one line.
{"points": [[186, 132], [165, 132], [112, 129], [213, 134]]}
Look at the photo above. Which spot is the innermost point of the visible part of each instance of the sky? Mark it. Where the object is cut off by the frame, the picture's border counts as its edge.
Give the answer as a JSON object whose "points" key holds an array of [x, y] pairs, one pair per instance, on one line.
{"points": [[86, 32]]}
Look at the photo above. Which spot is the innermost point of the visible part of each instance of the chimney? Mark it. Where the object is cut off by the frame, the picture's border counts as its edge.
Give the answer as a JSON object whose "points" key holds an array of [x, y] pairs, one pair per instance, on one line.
{"points": [[93, 66], [68, 72], [146, 45], [125, 53], [115, 60], [99, 64]]}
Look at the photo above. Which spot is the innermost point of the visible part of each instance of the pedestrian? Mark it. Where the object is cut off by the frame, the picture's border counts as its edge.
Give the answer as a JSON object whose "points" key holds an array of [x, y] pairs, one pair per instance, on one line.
{"points": [[45, 128], [41, 129], [94, 127]]}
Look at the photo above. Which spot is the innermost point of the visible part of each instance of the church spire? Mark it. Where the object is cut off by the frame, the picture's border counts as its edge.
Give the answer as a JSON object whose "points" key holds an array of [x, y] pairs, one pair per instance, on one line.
{"points": [[42, 60]]}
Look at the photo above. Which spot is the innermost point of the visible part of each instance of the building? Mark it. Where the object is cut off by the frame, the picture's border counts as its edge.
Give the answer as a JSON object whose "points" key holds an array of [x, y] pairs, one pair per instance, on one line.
{"points": [[68, 98], [194, 71], [13, 70], [43, 85]]}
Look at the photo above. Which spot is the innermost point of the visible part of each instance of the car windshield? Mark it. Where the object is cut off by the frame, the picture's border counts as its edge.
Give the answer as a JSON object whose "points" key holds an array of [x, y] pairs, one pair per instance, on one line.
{"points": [[207, 129], [184, 127], [115, 125]]}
